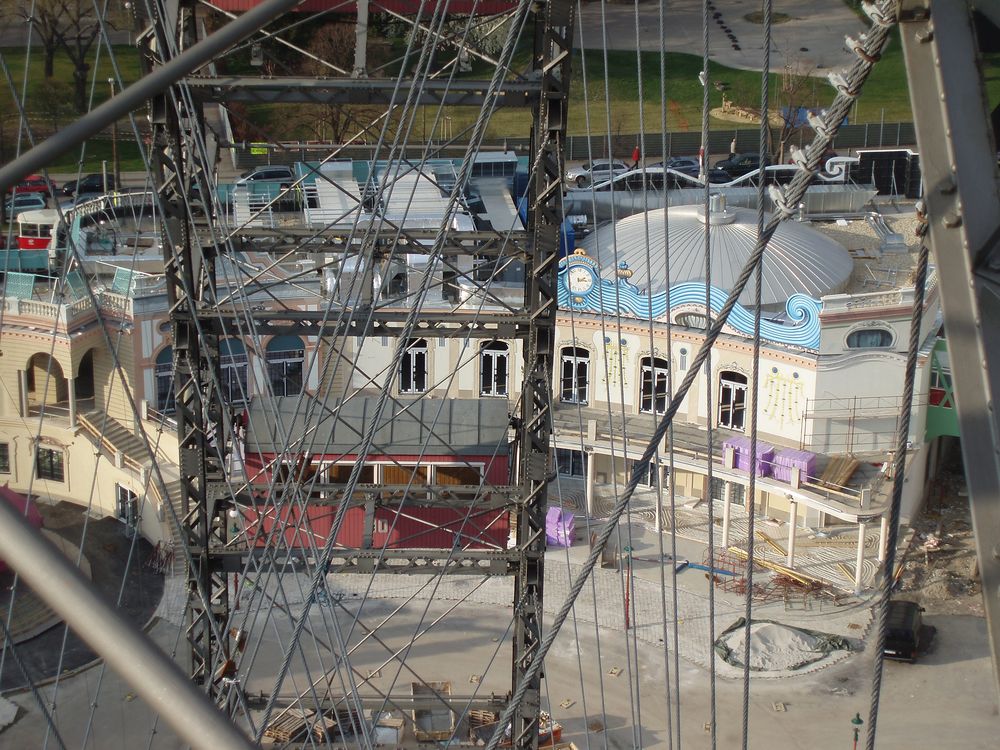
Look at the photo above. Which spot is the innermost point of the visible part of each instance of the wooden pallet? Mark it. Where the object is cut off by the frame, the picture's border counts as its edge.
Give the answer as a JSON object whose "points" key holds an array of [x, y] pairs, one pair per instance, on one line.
{"points": [[289, 726], [839, 472], [325, 729]]}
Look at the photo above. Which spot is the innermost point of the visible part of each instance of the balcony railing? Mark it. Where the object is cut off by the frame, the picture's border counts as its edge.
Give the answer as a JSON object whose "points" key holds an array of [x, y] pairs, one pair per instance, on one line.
{"points": [[67, 314]]}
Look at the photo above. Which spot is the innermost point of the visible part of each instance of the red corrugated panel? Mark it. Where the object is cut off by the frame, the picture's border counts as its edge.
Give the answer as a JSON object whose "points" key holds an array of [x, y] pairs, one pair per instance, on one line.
{"points": [[314, 531], [440, 528], [403, 7]]}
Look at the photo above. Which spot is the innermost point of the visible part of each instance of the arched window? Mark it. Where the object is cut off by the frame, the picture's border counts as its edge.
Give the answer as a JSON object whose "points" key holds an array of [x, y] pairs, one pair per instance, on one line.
{"points": [[574, 375], [413, 367], [233, 371], [165, 380], [285, 356], [869, 338], [653, 376], [732, 400], [493, 369]]}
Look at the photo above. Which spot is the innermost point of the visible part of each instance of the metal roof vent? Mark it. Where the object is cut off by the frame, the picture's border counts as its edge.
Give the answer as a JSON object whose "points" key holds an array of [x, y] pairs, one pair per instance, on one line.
{"points": [[717, 211]]}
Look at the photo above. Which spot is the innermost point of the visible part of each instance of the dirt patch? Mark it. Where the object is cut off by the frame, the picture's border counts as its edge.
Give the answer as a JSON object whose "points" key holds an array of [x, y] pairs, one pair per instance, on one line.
{"points": [[758, 17], [940, 570]]}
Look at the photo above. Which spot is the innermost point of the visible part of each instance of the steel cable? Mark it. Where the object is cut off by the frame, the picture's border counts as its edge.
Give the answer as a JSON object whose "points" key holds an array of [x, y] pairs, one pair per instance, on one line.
{"points": [[808, 167]]}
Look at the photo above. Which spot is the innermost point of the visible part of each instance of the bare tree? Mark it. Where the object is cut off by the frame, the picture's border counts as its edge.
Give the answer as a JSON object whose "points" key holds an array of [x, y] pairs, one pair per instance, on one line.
{"points": [[795, 96], [77, 38], [335, 123], [46, 20]]}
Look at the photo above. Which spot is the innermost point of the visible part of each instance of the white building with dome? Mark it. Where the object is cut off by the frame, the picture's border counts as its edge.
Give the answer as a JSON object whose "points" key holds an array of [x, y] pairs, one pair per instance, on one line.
{"points": [[835, 323]]}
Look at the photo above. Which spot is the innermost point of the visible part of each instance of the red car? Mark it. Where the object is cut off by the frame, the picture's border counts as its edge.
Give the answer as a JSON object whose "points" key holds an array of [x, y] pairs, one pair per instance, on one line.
{"points": [[33, 183]]}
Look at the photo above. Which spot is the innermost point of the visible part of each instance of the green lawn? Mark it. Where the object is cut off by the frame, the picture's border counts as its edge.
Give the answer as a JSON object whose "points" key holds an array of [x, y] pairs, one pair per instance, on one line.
{"points": [[49, 103], [614, 106]]}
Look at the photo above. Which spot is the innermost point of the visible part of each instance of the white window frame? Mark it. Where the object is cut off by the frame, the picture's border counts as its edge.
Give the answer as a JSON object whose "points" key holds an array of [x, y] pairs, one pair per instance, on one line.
{"points": [[576, 461], [732, 410], [578, 359], [278, 364], [50, 453], [413, 367], [654, 372], [234, 373], [494, 369], [126, 506], [163, 381]]}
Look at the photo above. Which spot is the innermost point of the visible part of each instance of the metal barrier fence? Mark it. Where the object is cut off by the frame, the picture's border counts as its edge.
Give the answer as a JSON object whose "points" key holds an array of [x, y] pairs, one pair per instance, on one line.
{"points": [[583, 148]]}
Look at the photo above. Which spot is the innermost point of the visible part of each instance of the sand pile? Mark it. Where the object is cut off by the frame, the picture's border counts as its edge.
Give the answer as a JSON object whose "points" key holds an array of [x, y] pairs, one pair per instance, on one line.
{"points": [[776, 647]]}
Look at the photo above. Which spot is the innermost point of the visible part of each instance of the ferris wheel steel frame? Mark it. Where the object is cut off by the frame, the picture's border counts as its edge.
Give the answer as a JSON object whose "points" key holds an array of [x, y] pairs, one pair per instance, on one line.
{"points": [[962, 195], [198, 325]]}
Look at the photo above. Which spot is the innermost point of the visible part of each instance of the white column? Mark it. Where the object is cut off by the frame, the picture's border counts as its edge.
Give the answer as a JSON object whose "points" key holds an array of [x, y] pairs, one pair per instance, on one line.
{"points": [[589, 489], [727, 492], [859, 563], [657, 521], [793, 512], [72, 404], [22, 377], [883, 537]]}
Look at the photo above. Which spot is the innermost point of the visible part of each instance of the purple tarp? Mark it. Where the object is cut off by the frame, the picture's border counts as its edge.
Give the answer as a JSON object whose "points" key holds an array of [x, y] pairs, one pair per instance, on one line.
{"points": [[741, 447], [787, 458], [560, 527]]}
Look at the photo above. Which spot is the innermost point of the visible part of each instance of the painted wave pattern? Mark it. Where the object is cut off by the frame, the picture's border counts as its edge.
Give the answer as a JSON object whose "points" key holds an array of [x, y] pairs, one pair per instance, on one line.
{"points": [[625, 298]]}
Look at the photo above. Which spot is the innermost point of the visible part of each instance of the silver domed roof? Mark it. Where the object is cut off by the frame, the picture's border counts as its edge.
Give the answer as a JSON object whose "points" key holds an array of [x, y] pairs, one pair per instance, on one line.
{"points": [[798, 259]]}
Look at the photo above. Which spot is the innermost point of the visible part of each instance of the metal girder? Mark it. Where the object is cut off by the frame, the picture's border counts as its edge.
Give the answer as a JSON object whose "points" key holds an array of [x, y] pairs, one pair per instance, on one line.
{"points": [[399, 701], [336, 240], [354, 323], [409, 561], [958, 162], [480, 499], [361, 91], [190, 277], [551, 59]]}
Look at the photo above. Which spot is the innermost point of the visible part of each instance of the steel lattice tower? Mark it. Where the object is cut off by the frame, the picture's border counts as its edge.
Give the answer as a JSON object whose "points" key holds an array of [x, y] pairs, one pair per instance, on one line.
{"points": [[198, 325]]}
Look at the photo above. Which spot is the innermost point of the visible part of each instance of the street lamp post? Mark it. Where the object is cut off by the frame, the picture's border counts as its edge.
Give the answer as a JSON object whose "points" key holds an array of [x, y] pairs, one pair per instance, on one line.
{"points": [[115, 166], [857, 721]]}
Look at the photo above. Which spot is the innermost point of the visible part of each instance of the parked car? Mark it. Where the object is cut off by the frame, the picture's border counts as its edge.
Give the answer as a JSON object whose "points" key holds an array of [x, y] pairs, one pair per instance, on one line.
{"points": [[684, 164], [598, 171], [644, 179], [18, 204], [906, 635], [739, 164], [275, 173], [92, 183], [33, 183]]}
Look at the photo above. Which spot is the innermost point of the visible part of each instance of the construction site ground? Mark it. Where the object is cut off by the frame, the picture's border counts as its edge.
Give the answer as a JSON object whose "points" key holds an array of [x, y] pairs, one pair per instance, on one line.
{"points": [[939, 570]]}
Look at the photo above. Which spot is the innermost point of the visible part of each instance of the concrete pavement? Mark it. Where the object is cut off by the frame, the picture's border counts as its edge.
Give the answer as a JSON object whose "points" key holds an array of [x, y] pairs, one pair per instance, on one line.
{"points": [[811, 41]]}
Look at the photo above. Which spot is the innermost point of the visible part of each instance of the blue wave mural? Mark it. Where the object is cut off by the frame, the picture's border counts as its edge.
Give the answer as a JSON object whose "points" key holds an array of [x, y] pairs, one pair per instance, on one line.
{"points": [[624, 298]]}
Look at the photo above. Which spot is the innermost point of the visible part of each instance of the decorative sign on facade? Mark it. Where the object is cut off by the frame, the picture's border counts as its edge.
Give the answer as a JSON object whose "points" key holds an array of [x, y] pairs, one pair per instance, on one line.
{"points": [[616, 353], [782, 396], [582, 289]]}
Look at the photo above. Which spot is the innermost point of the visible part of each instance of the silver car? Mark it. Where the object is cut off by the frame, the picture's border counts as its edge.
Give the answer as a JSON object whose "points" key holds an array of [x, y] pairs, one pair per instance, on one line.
{"points": [[17, 205], [598, 171]]}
